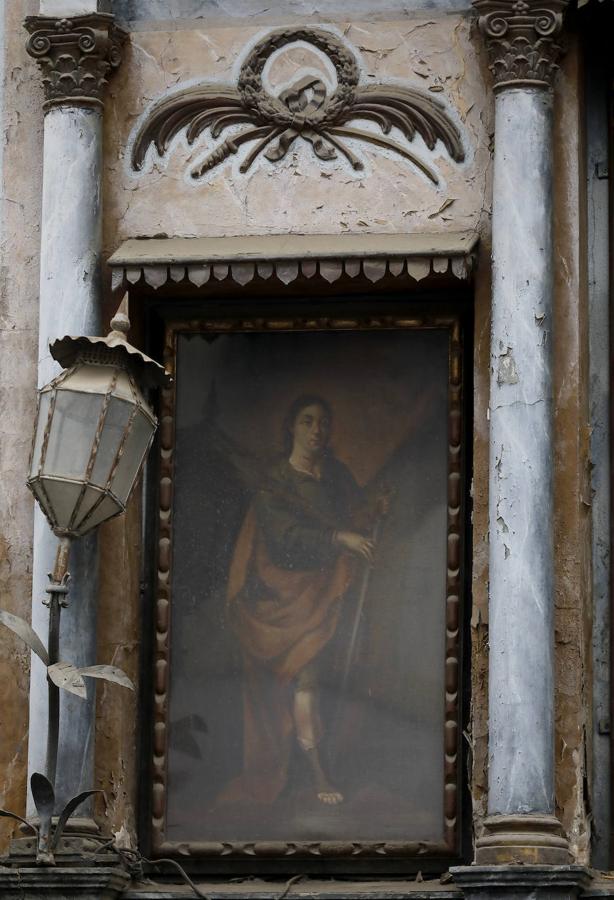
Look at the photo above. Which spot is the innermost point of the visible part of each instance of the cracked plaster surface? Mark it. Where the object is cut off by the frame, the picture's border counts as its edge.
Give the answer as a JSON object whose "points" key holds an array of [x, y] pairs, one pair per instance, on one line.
{"points": [[300, 193]]}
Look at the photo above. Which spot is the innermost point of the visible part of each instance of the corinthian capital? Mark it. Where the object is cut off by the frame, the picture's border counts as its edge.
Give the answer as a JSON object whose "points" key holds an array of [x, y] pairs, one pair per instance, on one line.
{"points": [[76, 56], [522, 37]]}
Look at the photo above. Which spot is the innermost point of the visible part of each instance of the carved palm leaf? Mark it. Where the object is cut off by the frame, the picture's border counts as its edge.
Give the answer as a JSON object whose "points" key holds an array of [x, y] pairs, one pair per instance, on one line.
{"points": [[194, 109], [411, 111]]}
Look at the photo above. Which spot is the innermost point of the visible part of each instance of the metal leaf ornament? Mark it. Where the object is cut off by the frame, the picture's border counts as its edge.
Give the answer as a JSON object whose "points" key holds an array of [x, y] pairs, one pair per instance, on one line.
{"points": [[63, 674], [67, 812], [305, 110], [44, 801], [66, 676], [27, 634]]}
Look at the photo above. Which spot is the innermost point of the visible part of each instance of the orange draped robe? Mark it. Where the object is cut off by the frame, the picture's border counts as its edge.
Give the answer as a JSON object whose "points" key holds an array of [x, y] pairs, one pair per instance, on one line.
{"points": [[283, 614]]}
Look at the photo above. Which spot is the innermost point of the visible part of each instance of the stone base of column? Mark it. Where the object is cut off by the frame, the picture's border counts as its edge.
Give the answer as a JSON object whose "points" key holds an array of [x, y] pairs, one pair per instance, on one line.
{"points": [[525, 881], [62, 882], [521, 840]]}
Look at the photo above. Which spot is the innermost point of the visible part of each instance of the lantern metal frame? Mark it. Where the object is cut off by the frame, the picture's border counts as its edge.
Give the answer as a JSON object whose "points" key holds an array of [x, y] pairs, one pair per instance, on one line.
{"points": [[78, 524], [73, 353]]}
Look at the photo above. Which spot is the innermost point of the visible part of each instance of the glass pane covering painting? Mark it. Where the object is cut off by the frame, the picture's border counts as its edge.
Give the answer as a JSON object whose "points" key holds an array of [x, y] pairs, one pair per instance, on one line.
{"points": [[314, 526]]}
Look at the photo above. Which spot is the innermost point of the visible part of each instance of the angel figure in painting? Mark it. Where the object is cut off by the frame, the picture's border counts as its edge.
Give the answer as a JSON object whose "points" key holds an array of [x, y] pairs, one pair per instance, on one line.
{"points": [[297, 554]]}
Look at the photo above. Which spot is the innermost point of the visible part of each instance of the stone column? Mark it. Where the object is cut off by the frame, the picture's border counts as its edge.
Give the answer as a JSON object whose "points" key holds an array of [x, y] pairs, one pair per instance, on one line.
{"points": [[75, 55], [522, 43]]}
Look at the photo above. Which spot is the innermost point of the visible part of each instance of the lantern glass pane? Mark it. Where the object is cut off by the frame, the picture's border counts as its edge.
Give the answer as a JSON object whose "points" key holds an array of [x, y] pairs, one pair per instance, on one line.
{"points": [[90, 497], [43, 414], [132, 456], [63, 497], [73, 428], [107, 508], [40, 496], [89, 378], [115, 423], [126, 387]]}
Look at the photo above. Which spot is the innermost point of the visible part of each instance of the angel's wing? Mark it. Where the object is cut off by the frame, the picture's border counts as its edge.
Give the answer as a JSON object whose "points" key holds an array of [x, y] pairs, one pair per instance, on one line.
{"points": [[249, 469], [421, 419]]}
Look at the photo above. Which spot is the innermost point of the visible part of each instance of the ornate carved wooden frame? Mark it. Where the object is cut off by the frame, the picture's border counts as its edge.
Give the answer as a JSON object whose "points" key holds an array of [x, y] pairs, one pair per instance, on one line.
{"points": [[366, 854]]}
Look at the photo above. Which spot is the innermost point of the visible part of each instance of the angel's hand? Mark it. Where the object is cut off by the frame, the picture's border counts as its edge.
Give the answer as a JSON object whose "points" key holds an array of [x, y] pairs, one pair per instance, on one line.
{"points": [[357, 544]]}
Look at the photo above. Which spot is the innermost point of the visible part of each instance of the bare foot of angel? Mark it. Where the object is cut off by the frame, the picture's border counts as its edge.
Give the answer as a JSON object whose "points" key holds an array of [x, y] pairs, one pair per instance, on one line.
{"points": [[327, 793]]}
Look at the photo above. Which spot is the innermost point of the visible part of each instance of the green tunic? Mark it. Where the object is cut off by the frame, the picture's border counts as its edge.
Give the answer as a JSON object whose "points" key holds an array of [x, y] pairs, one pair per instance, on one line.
{"points": [[298, 514]]}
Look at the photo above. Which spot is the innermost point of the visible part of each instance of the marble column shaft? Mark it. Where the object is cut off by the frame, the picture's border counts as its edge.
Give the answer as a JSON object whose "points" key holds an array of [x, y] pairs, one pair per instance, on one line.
{"points": [[69, 303], [521, 630], [522, 39]]}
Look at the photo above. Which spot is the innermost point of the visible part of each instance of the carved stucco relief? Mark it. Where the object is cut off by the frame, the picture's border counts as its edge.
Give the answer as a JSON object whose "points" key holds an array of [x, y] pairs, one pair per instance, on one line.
{"points": [[305, 109]]}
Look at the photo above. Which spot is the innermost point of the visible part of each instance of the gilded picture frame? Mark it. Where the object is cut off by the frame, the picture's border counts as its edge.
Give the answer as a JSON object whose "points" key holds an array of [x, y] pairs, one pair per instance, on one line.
{"points": [[210, 843]]}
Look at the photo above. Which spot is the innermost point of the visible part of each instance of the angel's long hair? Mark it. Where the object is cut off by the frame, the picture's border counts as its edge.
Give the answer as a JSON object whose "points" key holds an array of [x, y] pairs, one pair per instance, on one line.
{"points": [[294, 410]]}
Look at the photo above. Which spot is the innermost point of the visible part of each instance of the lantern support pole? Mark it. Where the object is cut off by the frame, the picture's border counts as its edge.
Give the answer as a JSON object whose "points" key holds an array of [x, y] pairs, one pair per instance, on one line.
{"points": [[57, 591]]}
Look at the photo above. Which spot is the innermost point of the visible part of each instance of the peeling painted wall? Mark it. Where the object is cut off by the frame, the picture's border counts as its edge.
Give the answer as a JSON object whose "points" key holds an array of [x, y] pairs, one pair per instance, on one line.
{"points": [[417, 46], [20, 216], [571, 469]]}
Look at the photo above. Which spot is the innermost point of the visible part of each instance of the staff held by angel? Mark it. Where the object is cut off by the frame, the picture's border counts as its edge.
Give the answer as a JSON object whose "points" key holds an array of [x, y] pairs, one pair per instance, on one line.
{"points": [[303, 553]]}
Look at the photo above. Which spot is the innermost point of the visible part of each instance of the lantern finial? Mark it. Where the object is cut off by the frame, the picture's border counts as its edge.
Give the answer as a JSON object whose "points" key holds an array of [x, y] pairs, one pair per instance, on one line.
{"points": [[120, 323]]}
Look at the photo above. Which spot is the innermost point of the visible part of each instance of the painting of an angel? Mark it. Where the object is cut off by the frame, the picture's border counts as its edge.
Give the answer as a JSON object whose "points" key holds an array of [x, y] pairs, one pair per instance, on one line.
{"points": [[292, 567], [309, 586]]}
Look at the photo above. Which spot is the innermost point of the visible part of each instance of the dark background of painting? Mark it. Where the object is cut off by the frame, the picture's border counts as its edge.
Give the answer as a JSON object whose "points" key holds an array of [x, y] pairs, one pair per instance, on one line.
{"points": [[384, 744]]}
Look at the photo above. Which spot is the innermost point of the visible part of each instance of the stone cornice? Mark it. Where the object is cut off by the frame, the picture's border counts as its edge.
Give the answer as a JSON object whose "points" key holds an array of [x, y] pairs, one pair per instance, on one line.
{"points": [[76, 55], [522, 38]]}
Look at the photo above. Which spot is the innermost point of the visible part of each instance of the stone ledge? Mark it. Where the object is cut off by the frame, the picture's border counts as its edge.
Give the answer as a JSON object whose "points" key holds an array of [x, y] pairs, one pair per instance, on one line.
{"points": [[602, 885], [62, 882], [518, 878], [310, 889]]}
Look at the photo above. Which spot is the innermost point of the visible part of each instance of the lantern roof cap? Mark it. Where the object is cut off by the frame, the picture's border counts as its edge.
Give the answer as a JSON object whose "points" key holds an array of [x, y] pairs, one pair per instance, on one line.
{"points": [[65, 350]]}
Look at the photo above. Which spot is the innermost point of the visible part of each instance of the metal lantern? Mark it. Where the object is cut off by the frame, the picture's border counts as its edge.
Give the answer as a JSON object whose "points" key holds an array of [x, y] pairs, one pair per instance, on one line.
{"points": [[94, 428]]}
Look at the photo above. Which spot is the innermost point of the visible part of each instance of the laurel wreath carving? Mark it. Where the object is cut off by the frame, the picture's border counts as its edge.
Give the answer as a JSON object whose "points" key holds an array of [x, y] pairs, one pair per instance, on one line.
{"points": [[305, 110]]}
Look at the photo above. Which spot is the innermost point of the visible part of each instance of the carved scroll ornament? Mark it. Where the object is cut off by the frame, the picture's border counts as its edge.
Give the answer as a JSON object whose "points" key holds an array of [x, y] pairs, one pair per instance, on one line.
{"points": [[522, 40], [305, 110], [75, 55]]}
